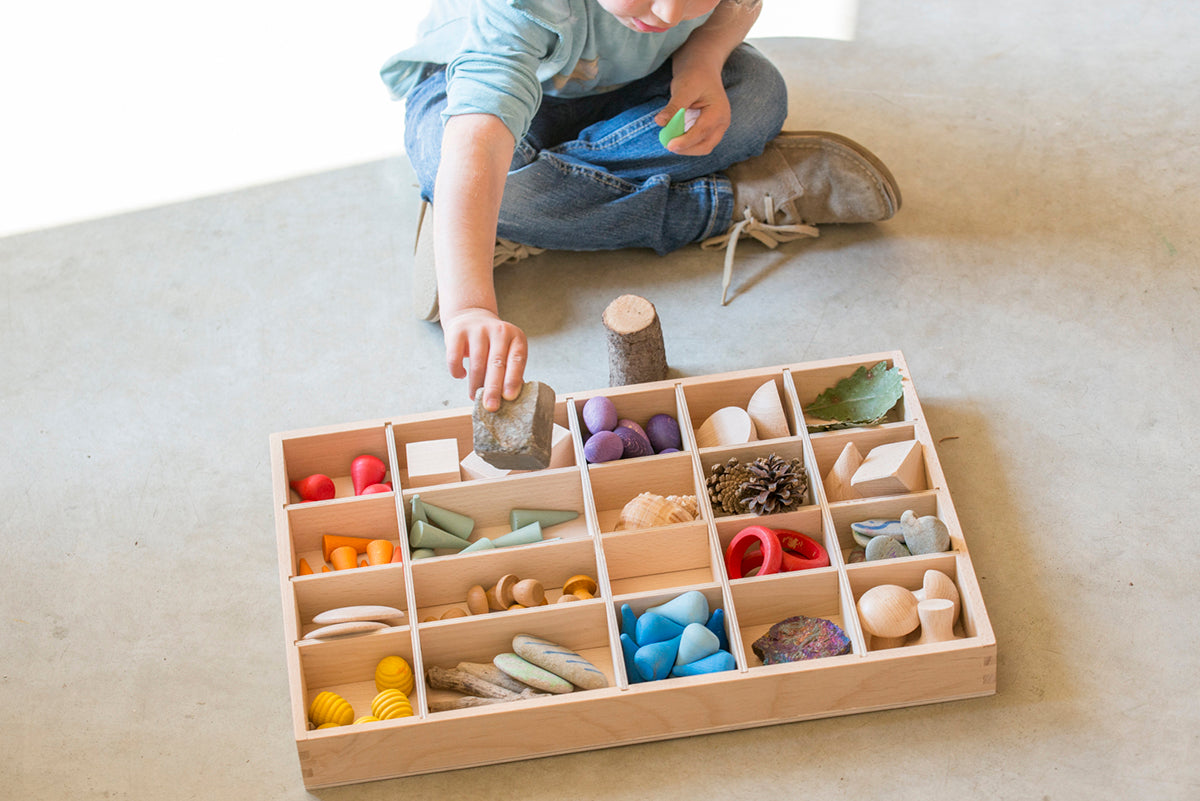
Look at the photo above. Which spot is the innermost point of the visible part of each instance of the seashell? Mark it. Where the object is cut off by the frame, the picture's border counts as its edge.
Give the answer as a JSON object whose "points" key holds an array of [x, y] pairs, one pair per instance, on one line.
{"points": [[648, 510], [633, 442], [688, 503]]}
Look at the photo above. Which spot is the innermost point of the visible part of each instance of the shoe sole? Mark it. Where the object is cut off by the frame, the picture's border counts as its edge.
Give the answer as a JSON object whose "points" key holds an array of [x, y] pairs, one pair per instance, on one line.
{"points": [[424, 274], [887, 182]]}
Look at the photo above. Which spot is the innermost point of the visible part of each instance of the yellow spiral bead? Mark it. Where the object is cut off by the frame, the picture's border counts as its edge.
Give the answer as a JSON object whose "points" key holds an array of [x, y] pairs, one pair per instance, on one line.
{"points": [[330, 707], [391, 704], [329, 725], [366, 719], [393, 673]]}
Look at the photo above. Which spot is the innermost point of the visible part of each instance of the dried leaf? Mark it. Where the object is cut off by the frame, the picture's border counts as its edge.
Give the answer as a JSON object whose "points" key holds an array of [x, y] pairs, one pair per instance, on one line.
{"points": [[862, 399]]}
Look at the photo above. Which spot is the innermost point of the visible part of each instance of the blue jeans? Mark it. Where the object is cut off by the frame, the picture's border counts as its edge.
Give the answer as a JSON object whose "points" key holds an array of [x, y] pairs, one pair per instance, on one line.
{"points": [[591, 173]]}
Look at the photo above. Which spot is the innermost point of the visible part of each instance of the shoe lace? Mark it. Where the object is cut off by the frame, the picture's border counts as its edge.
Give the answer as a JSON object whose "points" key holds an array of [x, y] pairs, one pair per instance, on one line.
{"points": [[770, 234], [507, 250]]}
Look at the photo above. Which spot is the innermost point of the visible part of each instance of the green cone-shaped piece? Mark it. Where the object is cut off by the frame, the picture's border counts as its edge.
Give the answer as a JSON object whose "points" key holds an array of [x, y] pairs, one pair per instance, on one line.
{"points": [[418, 509], [458, 525], [522, 536], [519, 518], [673, 128], [481, 544], [427, 535], [422, 553]]}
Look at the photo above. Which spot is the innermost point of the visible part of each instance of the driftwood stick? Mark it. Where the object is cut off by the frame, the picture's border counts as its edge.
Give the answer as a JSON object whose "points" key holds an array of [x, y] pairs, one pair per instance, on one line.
{"points": [[460, 681], [493, 675], [635, 342], [467, 701]]}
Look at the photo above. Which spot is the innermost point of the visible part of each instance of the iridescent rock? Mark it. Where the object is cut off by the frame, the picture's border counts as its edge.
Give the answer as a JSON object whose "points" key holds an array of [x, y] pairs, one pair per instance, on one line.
{"points": [[799, 638]]}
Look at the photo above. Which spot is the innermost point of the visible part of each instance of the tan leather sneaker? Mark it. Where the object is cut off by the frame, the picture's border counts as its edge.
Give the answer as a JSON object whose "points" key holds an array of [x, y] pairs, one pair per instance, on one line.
{"points": [[804, 179]]}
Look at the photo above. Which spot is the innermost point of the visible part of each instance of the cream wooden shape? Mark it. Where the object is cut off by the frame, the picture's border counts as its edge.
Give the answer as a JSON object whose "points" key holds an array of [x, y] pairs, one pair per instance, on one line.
{"points": [[766, 410], [890, 469], [432, 462], [728, 426], [837, 480], [642, 568]]}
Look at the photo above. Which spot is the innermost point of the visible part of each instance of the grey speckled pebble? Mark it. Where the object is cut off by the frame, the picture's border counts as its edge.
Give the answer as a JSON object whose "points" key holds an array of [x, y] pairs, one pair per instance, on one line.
{"points": [[924, 534], [885, 548], [529, 673], [560, 661]]}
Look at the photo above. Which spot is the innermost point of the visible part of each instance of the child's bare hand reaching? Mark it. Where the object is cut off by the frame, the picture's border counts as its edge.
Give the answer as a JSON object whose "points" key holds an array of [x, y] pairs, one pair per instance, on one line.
{"points": [[494, 351]]}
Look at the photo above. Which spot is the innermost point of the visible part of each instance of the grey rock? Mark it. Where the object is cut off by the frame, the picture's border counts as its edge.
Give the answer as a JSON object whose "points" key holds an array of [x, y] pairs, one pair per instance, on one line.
{"points": [[926, 534], [518, 435], [885, 548]]}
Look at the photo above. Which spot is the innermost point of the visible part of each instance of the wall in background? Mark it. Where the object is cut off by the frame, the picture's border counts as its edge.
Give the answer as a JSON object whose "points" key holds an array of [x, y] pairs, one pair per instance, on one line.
{"points": [[126, 104]]}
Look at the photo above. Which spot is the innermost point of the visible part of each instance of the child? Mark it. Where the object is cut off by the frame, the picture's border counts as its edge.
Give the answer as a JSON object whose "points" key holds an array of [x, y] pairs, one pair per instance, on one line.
{"points": [[548, 115]]}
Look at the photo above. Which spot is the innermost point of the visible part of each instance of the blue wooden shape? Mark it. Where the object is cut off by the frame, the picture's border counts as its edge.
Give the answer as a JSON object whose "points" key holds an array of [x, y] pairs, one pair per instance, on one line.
{"points": [[653, 628], [716, 624], [714, 663], [654, 661], [690, 607]]}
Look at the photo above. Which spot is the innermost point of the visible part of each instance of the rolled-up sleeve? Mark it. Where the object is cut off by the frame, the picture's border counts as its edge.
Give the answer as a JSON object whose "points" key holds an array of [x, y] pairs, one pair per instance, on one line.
{"points": [[496, 72]]}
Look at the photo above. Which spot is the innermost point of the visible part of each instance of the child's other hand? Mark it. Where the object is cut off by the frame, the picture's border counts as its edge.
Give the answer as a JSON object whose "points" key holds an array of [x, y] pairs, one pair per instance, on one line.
{"points": [[494, 350], [709, 98]]}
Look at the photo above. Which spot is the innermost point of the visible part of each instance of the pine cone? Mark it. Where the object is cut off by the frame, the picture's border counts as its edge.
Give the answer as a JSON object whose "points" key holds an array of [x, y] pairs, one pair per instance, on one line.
{"points": [[724, 487], [774, 485]]}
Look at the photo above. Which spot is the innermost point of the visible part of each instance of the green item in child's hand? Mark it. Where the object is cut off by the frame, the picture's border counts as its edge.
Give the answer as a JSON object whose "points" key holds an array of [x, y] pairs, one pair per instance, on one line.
{"points": [[673, 128]]}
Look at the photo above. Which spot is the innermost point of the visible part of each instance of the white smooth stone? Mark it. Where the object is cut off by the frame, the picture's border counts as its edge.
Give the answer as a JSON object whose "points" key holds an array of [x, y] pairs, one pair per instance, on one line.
{"points": [[344, 629], [350, 614]]}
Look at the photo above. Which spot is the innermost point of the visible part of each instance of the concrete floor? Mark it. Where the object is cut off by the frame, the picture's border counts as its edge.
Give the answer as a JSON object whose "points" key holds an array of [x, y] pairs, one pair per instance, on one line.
{"points": [[1042, 281]]}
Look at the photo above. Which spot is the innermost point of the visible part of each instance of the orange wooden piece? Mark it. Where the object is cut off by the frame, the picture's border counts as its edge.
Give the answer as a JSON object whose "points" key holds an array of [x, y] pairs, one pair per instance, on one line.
{"points": [[331, 541], [304, 569], [379, 552], [344, 557]]}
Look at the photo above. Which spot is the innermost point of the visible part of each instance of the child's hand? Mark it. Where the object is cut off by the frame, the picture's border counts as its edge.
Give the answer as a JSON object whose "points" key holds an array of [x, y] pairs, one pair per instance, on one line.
{"points": [[495, 351], [705, 93]]}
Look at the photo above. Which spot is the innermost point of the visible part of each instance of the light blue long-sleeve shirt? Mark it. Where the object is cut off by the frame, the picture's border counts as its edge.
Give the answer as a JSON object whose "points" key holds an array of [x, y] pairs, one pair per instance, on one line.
{"points": [[503, 55]]}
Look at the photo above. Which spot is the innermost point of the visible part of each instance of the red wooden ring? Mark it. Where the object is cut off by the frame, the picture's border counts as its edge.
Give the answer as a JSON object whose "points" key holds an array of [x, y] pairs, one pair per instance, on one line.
{"points": [[772, 552], [800, 552]]}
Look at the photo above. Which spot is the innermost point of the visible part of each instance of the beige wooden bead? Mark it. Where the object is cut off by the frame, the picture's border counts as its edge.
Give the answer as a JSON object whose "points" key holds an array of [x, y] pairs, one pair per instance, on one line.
{"points": [[888, 610]]}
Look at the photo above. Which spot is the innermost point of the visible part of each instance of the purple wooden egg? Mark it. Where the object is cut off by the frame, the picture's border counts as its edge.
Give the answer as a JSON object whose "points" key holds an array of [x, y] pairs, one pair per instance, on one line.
{"points": [[603, 446], [663, 432], [599, 414], [634, 444]]}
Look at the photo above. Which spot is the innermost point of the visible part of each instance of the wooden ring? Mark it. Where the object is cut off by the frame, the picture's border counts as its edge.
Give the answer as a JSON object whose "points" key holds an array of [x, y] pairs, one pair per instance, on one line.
{"points": [[800, 552], [770, 549]]}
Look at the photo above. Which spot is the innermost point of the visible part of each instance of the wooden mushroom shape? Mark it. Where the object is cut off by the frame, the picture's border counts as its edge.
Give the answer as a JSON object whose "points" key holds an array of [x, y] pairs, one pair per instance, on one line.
{"points": [[581, 586]]}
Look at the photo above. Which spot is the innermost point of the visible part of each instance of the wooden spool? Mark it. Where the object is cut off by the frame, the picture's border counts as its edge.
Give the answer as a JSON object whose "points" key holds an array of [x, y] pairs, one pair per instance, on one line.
{"points": [[635, 343]]}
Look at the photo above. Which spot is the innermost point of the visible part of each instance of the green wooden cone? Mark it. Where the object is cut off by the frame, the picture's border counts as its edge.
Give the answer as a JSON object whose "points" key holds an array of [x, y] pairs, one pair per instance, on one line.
{"points": [[423, 553], [458, 525], [518, 518], [427, 535], [418, 510], [522, 536], [481, 544]]}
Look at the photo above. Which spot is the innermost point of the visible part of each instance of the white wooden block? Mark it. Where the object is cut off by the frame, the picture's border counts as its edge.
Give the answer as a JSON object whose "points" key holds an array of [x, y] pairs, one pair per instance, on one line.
{"points": [[474, 467], [837, 481], [891, 469], [433, 461], [562, 452]]}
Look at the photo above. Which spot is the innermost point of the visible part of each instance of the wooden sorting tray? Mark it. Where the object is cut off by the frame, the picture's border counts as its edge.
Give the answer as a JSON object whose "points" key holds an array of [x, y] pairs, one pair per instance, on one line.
{"points": [[642, 567]]}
